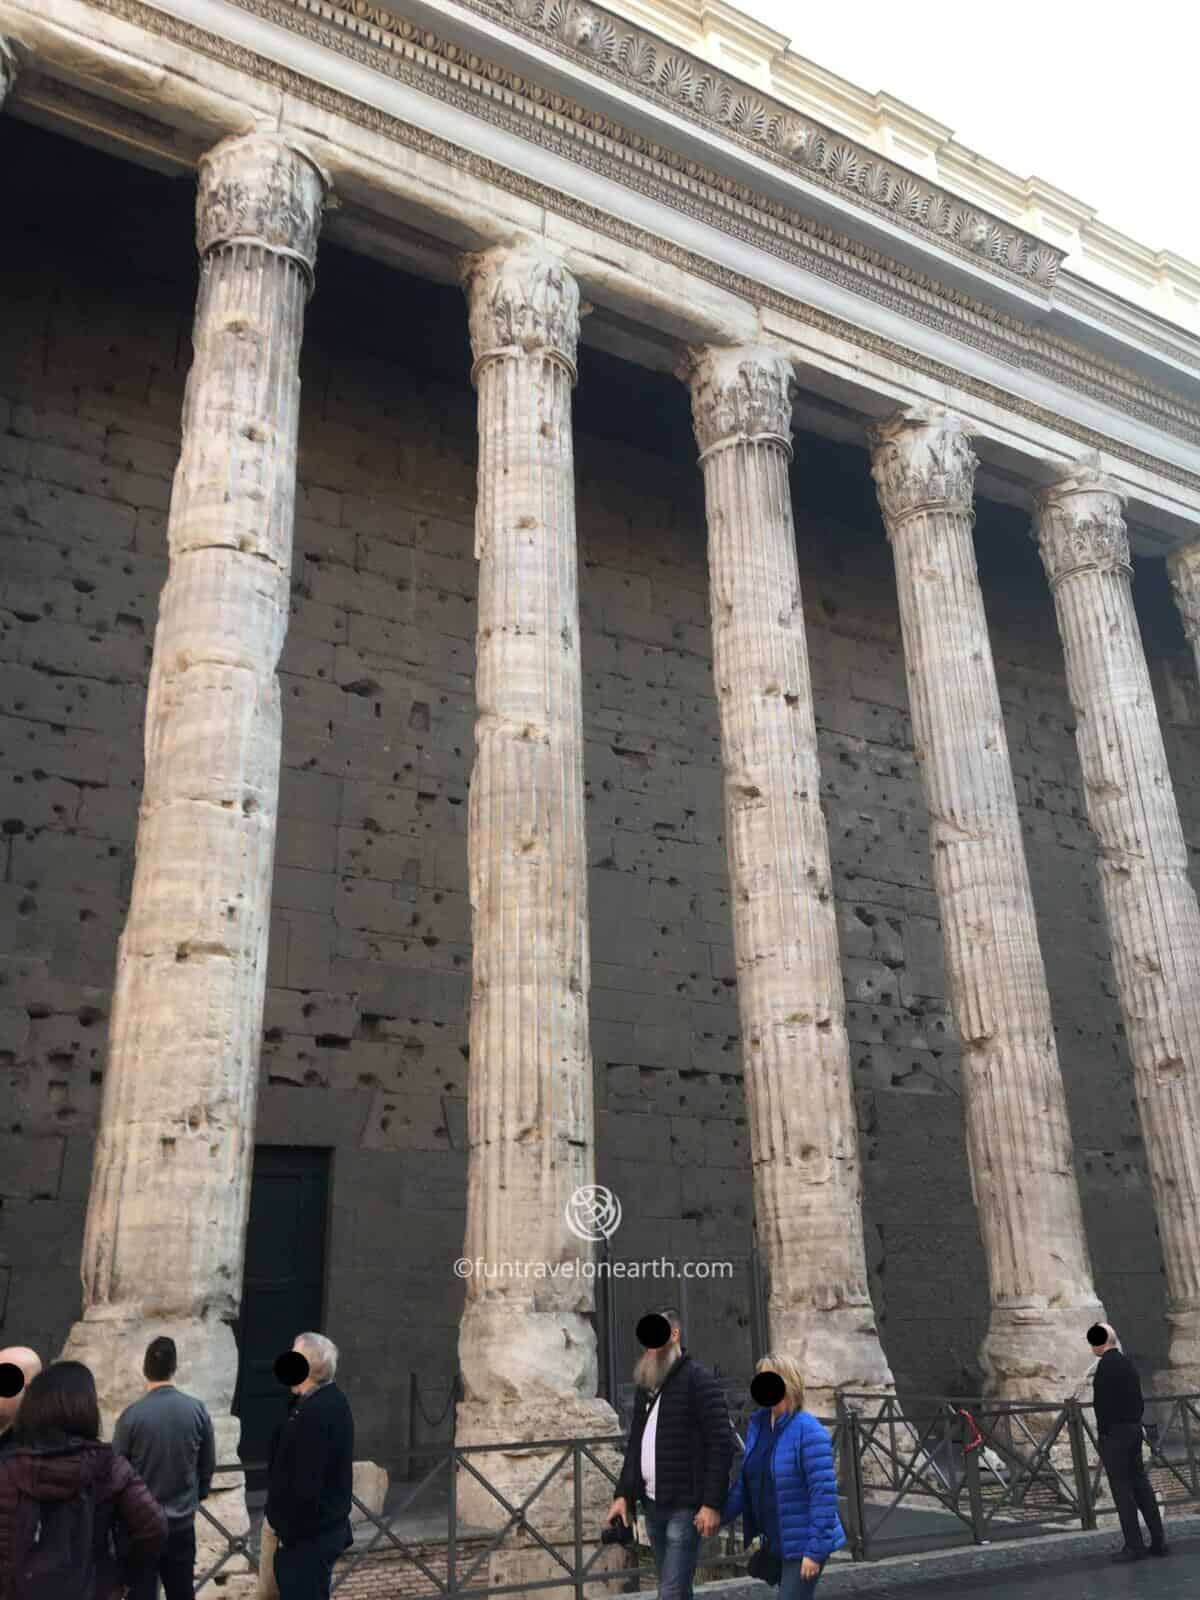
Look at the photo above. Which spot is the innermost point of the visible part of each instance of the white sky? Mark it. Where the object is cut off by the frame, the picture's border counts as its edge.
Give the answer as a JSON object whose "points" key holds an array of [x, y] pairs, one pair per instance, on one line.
{"points": [[1101, 100]]}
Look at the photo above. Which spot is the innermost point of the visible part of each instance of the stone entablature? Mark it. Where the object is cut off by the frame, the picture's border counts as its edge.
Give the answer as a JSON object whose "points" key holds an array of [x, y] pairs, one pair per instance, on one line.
{"points": [[1160, 280]]}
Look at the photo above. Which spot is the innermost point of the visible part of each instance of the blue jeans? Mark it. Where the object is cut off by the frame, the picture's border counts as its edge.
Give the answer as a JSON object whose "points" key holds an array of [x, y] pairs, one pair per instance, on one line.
{"points": [[793, 1587], [676, 1544]]}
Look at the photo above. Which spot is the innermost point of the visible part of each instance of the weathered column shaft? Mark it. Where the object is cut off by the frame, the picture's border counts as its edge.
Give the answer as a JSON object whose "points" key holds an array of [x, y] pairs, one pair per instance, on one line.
{"points": [[527, 1349], [1153, 918], [170, 1183], [1018, 1135], [804, 1142]]}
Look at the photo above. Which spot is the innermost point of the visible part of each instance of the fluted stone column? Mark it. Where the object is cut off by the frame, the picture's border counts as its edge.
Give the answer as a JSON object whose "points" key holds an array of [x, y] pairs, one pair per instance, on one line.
{"points": [[8, 69], [1153, 918], [166, 1218], [804, 1141], [527, 1348], [1018, 1136]]}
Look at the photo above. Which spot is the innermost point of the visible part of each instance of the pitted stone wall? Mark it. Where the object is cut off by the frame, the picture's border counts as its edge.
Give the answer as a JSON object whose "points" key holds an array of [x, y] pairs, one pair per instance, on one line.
{"points": [[365, 1032]]}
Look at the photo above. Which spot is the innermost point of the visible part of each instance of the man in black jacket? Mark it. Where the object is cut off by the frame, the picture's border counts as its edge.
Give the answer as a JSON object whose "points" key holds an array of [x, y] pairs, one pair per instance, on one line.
{"points": [[310, 1476], [679, 1453], [1119, 1407]]}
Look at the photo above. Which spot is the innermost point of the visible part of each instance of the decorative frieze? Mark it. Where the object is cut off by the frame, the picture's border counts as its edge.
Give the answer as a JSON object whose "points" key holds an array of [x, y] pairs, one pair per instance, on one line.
{"points": [[847, 263], [672, 77]]}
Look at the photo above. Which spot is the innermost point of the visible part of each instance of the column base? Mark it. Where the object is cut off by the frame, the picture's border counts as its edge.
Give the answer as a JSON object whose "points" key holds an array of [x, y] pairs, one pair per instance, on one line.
{"points": [[113, 1348], [838, 1351], [1036, 1354], [1181, 1375], [516, 1474]]}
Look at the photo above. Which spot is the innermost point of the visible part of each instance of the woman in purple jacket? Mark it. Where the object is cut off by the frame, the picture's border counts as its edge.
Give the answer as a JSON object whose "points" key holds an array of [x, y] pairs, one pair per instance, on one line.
{"points": [[786, 1490], [67, 1502]]}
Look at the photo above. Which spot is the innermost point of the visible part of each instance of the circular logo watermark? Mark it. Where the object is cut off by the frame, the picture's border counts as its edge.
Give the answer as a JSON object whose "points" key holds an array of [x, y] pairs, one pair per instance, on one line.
{"points": [[593, 1212]]}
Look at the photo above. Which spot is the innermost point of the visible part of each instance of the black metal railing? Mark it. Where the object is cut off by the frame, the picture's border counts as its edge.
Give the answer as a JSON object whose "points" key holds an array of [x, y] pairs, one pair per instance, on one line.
{"points": [[921, 1475]]}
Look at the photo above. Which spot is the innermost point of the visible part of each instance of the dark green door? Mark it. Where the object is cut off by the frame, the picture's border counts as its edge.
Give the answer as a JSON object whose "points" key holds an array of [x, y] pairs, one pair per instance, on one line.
{"points": [[283, 1289]]}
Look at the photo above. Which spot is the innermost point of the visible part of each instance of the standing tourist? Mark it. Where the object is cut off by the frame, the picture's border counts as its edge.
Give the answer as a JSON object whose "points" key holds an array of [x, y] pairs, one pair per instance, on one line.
{"points": [[1119, 1407], [168, 1439], [23, 1366], [679, 1453], [786, 1491], [310, 1476], [68, 1503]]}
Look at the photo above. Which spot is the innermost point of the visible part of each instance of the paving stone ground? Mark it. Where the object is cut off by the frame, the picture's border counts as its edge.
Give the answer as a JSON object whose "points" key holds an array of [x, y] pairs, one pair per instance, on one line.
{"points": [[1092, 1578]]}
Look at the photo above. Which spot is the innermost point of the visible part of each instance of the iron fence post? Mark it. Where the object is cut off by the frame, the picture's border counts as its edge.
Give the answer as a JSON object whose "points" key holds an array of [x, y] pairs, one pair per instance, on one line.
{"points": [[577, 1469], [856, 1522], [452, 1526], [974, 1487], [1081, 1465]]}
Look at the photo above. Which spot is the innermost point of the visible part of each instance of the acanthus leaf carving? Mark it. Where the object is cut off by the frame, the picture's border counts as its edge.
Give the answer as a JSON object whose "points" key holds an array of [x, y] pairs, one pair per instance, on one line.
{"points": [[1078, 523], [257, 189], [739, 392], [521, 300], [921, 460]]}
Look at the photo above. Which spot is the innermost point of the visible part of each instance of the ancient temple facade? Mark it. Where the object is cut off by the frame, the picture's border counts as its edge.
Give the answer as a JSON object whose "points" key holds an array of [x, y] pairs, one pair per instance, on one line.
{"points": [[584, 603]]}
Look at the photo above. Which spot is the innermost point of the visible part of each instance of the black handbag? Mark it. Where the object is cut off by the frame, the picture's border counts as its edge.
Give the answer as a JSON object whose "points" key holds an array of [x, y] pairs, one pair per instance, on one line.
{"points": [[766, 1565]]}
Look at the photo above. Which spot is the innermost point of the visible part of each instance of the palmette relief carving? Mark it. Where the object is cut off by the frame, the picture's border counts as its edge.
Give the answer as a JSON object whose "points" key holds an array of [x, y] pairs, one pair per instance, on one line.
{"points": [[521, 298], [739, 393], [1079, 525], [257, 189], [920, 458], [725, 102]]}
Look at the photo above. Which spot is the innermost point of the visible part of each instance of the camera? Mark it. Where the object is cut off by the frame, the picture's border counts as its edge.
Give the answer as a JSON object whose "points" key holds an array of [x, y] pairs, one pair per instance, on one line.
{"points": [[617, 1532]]}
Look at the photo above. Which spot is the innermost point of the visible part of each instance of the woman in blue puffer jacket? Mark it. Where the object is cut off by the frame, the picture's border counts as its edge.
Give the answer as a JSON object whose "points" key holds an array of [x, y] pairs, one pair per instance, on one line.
{"points": [[787, 1490]]}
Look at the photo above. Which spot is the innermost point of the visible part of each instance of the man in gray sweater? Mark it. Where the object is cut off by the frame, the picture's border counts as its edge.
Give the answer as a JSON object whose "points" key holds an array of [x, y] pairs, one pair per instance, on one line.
{"points": [[168, 1439]]}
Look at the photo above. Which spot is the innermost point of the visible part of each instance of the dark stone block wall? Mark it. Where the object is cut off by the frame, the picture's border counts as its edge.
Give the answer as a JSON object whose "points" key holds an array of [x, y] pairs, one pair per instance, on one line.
{"points": [[365, 1038]]}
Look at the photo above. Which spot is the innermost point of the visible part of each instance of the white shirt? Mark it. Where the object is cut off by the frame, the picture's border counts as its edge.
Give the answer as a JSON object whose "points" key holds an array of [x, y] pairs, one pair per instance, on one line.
{"points": [[649, 1438]]}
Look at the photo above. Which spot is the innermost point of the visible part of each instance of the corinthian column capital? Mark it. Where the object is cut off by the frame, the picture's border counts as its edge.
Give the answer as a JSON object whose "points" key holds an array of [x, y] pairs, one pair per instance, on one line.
{"points": [[740, 393], [257, 189], [1183, 569], [8, 68], [921, 460], [521, 300], [1078, 523]]}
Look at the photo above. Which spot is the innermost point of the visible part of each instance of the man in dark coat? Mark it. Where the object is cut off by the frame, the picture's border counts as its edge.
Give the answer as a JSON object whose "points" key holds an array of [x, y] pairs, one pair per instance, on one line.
{"points": [[1119, 1406], [679, 1453], [310, 1477]]}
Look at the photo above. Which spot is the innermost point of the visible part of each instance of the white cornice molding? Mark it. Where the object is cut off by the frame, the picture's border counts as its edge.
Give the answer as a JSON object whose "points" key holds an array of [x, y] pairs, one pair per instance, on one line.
{"points": [[1158, 280]]}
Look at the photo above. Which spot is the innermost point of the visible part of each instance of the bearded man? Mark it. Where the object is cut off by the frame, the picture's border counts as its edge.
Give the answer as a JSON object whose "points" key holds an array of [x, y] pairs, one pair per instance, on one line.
{"points": [[679, 1453]]}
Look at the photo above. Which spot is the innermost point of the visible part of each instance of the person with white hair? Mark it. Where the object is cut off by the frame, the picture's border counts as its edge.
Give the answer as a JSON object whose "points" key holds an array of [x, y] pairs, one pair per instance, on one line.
{"points": [[19, 1366], [310, 1473]]}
